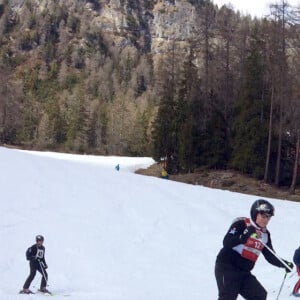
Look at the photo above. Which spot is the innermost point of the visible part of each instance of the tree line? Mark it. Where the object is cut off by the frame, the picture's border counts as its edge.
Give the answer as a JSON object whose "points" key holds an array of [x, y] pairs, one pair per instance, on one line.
{"points": [[226, 97], [238, 107]]}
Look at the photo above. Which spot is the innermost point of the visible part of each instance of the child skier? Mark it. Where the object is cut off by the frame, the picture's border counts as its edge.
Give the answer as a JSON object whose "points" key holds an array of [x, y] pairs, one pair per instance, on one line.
{"points": [[242, 245], [297, 263], [36, 256]]}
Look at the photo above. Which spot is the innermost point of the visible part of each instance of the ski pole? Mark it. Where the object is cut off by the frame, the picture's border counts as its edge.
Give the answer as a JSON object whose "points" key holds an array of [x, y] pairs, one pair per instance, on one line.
{"points": [[281, 286], [284, 263], [43, 273]]}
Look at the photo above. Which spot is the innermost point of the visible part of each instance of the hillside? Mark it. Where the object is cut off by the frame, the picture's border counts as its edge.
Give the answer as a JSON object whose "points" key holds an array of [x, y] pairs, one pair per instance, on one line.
{"points": [[227, 180], [186, 79], [80, 74], [116, 235]]}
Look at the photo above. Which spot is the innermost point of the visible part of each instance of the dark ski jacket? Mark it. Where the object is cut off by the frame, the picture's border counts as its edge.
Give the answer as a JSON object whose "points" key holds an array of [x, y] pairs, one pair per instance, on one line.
{"points": [[232, 259], [35, 254], [297, 257]]}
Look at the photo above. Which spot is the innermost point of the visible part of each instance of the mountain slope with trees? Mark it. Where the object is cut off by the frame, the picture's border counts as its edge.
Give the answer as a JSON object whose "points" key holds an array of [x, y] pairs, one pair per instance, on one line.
{"points": [[198, 85]]}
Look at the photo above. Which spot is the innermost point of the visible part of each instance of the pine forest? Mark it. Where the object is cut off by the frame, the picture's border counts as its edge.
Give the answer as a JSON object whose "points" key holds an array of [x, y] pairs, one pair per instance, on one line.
{"points": [[198, 85]]}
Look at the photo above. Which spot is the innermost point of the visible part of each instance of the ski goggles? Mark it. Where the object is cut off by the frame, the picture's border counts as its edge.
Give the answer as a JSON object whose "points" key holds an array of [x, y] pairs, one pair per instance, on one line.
{"points": [[266, 216]]}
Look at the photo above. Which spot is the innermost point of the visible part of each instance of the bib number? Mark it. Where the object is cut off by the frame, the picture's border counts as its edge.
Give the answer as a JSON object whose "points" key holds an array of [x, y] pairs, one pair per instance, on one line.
{"points": [[40, 253], [252, 249]]}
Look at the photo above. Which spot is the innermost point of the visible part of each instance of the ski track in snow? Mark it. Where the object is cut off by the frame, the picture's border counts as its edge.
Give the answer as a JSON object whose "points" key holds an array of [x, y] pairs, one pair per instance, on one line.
{"points": [[113, 235]]}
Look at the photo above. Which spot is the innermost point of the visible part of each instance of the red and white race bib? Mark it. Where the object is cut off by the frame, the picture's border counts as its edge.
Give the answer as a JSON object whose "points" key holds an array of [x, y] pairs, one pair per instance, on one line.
{"points": [[252, 249]]}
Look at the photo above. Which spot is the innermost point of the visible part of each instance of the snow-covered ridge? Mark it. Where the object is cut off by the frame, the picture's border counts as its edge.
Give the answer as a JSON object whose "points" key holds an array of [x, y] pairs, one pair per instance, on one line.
{"points": [[120, 236], [129, 164]]}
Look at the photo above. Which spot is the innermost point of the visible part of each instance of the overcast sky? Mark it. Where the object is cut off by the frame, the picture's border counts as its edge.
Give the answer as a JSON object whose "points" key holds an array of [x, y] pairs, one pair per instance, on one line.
{"points": [[254, 7]]}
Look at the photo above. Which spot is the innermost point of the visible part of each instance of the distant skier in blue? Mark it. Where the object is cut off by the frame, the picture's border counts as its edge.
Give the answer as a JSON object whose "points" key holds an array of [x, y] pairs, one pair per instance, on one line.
{"points": [[117, 167]]}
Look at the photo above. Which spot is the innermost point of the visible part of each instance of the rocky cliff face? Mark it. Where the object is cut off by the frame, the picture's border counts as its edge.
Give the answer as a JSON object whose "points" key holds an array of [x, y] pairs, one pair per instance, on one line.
{"points": [[171, 21], [148, 25]]}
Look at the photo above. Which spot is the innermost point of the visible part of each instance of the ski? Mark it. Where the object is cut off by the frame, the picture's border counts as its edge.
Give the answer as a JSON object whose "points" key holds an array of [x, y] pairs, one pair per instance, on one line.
{"points": [[46, 293], [52, 294]]}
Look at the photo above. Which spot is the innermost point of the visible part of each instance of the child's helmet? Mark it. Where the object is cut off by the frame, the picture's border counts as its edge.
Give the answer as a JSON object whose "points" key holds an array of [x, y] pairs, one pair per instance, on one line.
{"points": [[39, 238], [261, 206]]}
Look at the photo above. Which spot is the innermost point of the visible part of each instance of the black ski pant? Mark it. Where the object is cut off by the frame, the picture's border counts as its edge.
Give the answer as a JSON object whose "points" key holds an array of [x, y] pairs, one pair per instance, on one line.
{"points": [[233, 282], [36, 266]]}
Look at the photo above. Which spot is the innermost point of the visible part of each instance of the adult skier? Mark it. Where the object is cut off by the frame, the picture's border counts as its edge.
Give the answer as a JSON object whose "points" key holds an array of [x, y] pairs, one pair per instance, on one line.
{"points": [[297, 263], [242, 245], [36, 256]]}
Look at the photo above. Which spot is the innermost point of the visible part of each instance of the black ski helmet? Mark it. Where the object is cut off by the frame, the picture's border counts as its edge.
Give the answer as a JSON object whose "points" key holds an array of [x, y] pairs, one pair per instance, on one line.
{"points": [[261, 206], [39, 238]]}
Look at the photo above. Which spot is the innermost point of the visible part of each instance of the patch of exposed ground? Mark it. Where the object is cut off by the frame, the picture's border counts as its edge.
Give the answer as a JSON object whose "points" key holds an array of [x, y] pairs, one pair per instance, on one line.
{"points": [[227, 180]]}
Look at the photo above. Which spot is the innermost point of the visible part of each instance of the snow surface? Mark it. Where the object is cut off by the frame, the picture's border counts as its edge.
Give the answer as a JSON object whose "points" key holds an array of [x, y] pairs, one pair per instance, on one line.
{"points": [[113, 235]]}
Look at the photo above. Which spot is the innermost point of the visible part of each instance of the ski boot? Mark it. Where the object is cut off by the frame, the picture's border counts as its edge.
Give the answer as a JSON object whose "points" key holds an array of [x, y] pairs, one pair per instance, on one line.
{"points": [[26, 291], [45, 291], [296, 295]]}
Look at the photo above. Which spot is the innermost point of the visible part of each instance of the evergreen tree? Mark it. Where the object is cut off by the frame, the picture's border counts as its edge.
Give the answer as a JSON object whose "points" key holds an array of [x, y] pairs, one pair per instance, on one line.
{"points": [[163, 131], [215, 143], [164, 135], [173, 129], [77, 123], [187, 94], [250, 127]]}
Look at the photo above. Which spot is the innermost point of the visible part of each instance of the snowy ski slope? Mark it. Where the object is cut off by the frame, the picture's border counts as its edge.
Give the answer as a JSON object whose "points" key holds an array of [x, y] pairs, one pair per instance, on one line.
{"points": [[120, 236]]}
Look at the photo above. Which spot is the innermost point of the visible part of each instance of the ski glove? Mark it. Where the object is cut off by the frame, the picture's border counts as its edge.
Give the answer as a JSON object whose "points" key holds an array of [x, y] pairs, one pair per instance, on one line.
{"points": [[249, 231], [43, 265], [41, 262], [290, 264]]}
